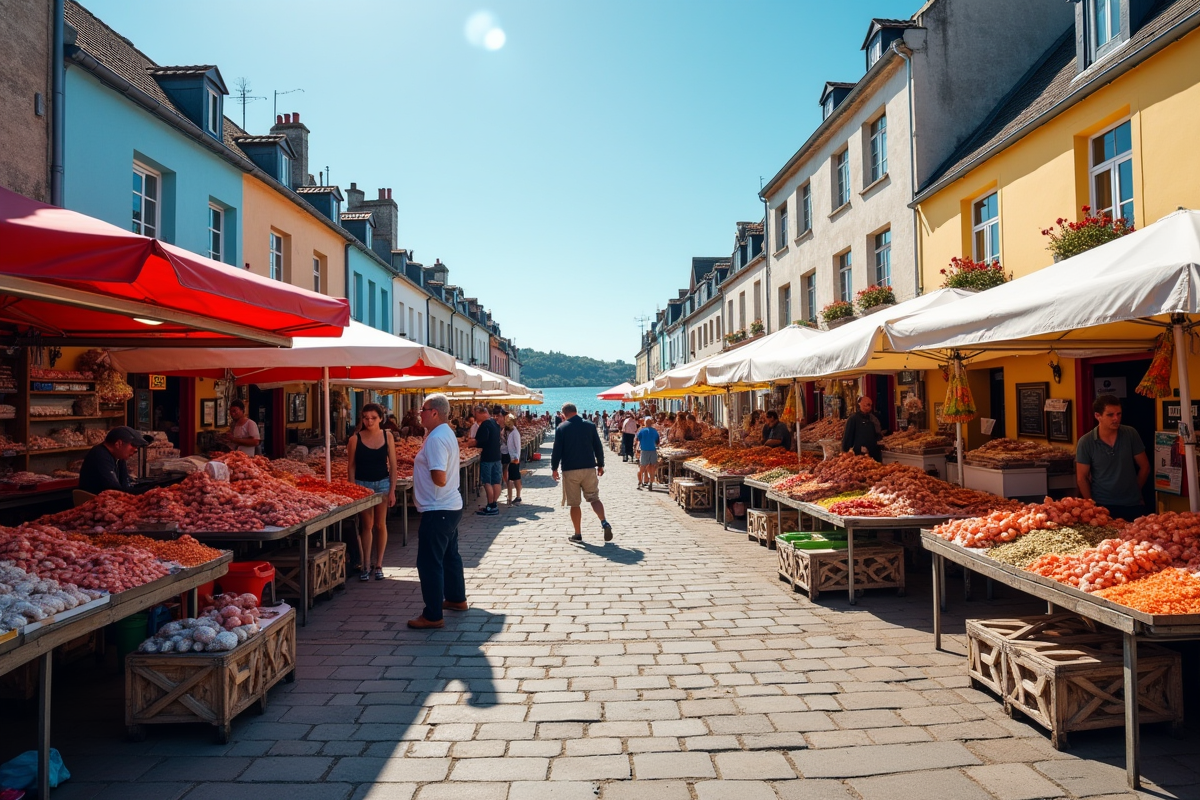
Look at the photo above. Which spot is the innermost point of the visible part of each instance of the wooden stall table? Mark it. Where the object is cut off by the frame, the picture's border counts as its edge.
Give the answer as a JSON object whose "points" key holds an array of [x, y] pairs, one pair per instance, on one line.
{"points": [[468, 476], [1133, 625], [852, 524], [403, 488], [39, 639], [721, 481], [303, 530]]}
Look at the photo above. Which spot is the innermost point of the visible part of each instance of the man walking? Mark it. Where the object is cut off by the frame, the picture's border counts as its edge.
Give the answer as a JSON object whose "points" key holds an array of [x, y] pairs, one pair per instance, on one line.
{"points": [[578, 449], [487, 439], [629, 429], [435, 491], [647, 439]]}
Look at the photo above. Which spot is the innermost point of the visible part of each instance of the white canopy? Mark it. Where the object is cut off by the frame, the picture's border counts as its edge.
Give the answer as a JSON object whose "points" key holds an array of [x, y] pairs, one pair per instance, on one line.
{"points": [[464, 377], [690, 378], [758, 362], [851, 349], [360, 352], [619, 392], [1100, 299]]}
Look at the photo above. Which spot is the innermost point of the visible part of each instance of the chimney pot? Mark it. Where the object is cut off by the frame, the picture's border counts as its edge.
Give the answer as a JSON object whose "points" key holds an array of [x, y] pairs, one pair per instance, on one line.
{"points": [[279, 119], [353, 185], [389, 197], [296, 117], [383, 194]]}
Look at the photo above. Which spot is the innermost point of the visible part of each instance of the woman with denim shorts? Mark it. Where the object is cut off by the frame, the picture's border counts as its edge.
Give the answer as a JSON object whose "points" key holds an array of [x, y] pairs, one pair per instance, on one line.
{"points": [[372, 464]]}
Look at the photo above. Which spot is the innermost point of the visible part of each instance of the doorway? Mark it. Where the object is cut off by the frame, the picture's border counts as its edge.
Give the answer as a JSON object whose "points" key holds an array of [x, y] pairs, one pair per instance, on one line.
{"points": [[1119, 375], [996, 390], [882, 391]]}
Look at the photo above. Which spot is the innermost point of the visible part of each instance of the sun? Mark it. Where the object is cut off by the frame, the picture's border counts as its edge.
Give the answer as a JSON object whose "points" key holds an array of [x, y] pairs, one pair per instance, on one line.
{"points": [[483, 30]]}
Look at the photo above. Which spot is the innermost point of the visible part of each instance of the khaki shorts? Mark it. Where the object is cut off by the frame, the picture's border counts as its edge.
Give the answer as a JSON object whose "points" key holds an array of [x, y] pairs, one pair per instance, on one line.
{"points": [[575, 481]]}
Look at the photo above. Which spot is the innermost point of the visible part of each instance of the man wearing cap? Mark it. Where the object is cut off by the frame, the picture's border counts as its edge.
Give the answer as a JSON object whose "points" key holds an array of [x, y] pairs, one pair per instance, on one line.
{"points": [[105, 466]]}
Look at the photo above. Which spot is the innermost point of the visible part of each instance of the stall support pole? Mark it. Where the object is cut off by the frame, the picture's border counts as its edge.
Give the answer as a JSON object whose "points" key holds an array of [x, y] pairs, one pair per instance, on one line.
{"points": [[937, 603], [958, 448], [729, 415], [45, 669], [1132, 734], [1185, 417], [328, 415], [796, 410]]}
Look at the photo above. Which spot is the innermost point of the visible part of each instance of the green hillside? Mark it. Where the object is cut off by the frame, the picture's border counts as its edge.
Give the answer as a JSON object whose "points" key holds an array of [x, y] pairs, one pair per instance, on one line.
{"points": [[553, 369]]}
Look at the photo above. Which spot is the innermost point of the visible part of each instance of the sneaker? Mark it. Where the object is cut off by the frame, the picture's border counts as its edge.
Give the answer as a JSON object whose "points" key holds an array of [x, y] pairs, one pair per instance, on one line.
{"points": [[607, 531], [364, 576], [639, 486], [577, 537], [483, 512], [517, 502], [420, 623], [491, 511]]}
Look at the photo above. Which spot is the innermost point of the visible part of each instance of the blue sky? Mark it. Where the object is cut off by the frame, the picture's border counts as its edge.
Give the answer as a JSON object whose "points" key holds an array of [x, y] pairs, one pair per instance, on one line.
{"points": [[566, 178]]}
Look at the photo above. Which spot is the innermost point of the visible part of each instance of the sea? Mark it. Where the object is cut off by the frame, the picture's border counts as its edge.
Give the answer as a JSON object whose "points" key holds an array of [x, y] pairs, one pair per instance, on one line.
{"points": [[584, 398]]}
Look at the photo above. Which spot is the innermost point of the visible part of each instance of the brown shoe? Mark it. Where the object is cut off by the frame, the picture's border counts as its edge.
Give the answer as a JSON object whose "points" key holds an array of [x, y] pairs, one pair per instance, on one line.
{"points": [[455, 606], [420, 623]]}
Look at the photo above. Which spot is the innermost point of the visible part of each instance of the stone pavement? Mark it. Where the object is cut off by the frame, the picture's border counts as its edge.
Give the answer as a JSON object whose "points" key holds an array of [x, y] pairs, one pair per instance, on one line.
{"points": [[669, 664]]}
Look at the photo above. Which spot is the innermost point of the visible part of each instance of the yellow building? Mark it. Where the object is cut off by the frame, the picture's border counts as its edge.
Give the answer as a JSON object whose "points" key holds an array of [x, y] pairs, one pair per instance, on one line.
{"points": [[1104, 120]]}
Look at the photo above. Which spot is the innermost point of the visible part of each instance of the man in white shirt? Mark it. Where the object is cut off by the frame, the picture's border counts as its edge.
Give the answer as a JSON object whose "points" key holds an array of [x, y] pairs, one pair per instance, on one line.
{"points": [[435, 491], [243, 431], [629, 429]]}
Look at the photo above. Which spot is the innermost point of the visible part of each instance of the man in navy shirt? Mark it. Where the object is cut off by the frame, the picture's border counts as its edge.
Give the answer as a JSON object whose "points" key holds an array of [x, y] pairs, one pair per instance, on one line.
{"points": [[487, 439], [577, 448]]}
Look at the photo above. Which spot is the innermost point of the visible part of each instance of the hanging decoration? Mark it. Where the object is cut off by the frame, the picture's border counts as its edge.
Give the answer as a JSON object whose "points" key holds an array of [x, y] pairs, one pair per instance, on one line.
{"points": [[959, 405], [788, 417], [1157, 382], [111, 386]]}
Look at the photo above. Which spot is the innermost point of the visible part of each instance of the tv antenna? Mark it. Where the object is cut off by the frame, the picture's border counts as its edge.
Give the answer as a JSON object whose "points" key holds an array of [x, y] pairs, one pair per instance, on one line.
{"points": [[243, 96], [641, 321], [278, 94]]}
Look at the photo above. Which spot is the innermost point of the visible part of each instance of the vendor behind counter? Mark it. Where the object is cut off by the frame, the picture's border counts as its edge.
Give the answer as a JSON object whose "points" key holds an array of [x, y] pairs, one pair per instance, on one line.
{"points": [[106, 465]]}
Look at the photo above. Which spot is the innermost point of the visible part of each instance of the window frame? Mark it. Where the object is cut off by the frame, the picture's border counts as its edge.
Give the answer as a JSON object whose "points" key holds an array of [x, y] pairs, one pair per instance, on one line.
{"points": [[1112, 165], [216, 234], [781, 224], [845, 276], [883, 249], [317, 274], [274, 254], [809, 283], [841, 178], [214, 112], [806, 207], [875, 49], [1096, 48], [990, 228], [877, 137], [785, 305], [827, 107], [143, 172], [285, 169]]}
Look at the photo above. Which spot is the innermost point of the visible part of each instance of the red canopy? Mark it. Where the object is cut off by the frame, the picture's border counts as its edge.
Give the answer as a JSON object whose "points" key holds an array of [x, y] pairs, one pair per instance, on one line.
{"points": [[71, 276]]}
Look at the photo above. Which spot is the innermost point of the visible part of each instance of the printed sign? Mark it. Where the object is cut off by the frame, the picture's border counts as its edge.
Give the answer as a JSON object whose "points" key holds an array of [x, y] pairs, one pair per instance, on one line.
{"points": [[158, 381], [1056, 405], [1113, 386], [1168, 462], [1170, 413]]}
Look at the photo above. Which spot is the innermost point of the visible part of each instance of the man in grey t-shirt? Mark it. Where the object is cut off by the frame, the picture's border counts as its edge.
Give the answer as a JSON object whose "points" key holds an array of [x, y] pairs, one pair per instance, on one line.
{"points": [[1111, 466]]}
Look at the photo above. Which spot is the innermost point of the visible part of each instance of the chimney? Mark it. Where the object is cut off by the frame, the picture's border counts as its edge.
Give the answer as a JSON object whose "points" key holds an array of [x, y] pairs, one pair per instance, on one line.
{"points": [[354, 197], [387, 218], [297, 136]]}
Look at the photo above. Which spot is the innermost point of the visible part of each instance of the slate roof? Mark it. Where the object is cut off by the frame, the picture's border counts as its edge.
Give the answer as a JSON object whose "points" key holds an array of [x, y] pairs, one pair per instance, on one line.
{"points": [[702, 265], [882, 22], [270, 138], [324, 190], [1052, 82], [199, 69], [356, 215]]}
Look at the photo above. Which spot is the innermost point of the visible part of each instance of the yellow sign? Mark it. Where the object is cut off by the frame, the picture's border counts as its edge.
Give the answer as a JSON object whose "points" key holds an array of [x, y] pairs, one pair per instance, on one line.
{"points": [[158, 381]]}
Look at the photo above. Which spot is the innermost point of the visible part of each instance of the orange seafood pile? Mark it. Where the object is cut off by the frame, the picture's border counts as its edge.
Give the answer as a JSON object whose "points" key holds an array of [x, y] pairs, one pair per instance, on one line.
{"points": [[1005, 525], [909, 492], [743, 460], [185, 550], [50, 554], [1112, 563], [337, 491], [1177, 533], [846, 473], [830, 428], [1171, 591]]}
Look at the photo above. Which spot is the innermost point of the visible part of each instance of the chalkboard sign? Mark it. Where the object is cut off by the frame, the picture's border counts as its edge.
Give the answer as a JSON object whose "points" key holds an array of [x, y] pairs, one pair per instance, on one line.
{"points": [[1170, 414], [1031, 403], [1058, 424]]}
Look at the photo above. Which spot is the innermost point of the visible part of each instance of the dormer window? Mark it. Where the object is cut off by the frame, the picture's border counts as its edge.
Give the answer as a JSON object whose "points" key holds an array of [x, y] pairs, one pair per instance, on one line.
{"points": [[875, 49], [214, 113], [1105, 24], [827, 108], [285, 170]]}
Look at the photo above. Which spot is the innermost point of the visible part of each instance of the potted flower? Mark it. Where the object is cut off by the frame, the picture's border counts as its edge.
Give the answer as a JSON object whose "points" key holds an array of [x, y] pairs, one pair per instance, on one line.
{"points": [[1073, 238], [837, 313], [756, 327], [805, 323], [966, 273], [874, 298]]}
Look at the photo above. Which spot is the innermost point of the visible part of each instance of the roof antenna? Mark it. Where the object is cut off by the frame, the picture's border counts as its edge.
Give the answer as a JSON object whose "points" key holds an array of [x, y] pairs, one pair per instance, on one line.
{"points": [[275, 111], [243, 96]]}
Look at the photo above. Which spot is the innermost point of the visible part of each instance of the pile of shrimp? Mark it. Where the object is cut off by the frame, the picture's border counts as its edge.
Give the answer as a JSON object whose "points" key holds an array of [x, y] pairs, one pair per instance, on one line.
{"points": [[1178, 534], [1005, 526], [1113, 562]]}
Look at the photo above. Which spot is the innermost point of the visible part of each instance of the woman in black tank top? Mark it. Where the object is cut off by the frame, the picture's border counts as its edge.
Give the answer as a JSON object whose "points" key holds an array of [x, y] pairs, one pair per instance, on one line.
{"points": [[371, 455]]}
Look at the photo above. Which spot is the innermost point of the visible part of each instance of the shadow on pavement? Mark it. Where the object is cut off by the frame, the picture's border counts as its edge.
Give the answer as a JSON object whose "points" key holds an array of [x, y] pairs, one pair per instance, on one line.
{"points": [[613, 552]]}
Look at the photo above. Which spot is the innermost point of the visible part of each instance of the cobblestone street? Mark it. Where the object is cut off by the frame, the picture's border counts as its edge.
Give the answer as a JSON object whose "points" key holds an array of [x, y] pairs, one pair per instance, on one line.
{"points": [[669, 664]]}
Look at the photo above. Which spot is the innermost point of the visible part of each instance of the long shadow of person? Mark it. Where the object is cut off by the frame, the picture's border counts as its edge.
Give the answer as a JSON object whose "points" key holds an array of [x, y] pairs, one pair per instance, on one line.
{"points": [[614, 552]]}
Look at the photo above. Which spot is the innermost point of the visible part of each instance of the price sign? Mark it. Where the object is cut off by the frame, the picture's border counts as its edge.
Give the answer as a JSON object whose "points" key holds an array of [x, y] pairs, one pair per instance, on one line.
{"points": [[158, 382], [1056, 405]]}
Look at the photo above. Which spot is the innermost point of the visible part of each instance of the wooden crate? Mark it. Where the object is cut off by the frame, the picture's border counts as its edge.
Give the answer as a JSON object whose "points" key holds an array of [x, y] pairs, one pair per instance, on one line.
{"points": [[662, 473], [209, 687], [786, 558], [695, 496], [673, 492], [326, 569], [877, 566], [1067, 688], [756, 523], [986, 664], [766, 525]]}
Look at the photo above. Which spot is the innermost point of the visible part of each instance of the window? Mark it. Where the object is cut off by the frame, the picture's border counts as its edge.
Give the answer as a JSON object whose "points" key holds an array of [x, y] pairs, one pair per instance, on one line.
{"points": [[359, 299], [883, 258], [806, 207], [413, 330], [216, 218], [785, 306], [1105, 22], [146, 188], [757, 301], [841, 179], [316, 274], [985, 229], [276, 265], [875, 49], [385, 311], [878, 148], [1112, 173], [214, 113], [845, 278], [285, 171], [371, 303], [719, 333], [827, 108], [781, 226], [730, 314], [692, 336], [810, 296], [741, 311], [424, 334]]}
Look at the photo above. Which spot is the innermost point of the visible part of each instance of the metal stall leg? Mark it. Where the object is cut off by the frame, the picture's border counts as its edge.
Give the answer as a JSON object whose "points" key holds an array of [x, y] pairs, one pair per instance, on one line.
{"points": [[1132, 733], [404, 518], [45, 673], [937, 603], [850, 562], [940, 579], [304, 576]]}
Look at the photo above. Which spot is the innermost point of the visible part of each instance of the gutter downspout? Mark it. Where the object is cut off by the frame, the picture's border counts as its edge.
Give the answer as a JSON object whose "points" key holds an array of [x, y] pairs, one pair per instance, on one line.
{"points": [[428, 326], [452, 313], [767, 267], [912, 164], [58, 104]]}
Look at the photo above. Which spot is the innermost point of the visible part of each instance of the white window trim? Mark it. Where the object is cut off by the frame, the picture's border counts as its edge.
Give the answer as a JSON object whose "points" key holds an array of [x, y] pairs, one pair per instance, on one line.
{"points": [[841, 187], [317, 274], [1111, 166], [985, 227], [875, 49], [214, 119], [285, 176], [805, 196], [827, 107], [219, 255], [143, 170], [879, 166], [878, 250], [1095, 48], [272, 253], [781, 222], [845, 268]]}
